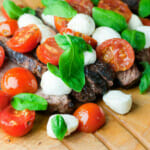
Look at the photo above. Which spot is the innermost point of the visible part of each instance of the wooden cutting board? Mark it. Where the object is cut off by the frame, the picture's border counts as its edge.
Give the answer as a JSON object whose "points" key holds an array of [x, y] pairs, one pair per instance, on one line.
{"points": [[128, 132]]}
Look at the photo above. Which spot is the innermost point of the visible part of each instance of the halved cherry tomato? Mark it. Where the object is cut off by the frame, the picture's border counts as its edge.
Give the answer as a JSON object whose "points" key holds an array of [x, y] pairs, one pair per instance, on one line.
{"points": [[19, 80], [117, 6], [118, 53], [82, 6], [49, 51], [25, 39], [4, 13], [4, 100], [91, 117], [8, 27], [2, 56], [60, 23], [87, 38], [145, 21], [16, 123]]}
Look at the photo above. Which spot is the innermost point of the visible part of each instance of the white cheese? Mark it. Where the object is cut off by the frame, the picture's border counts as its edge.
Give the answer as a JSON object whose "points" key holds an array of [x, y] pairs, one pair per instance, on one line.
{"points": [[52, 85], [89, 57], [102, 34], [49, 19], [118, 101], [146, 31], [134, 22], [82, 23], [71, 122], [2, 19]]}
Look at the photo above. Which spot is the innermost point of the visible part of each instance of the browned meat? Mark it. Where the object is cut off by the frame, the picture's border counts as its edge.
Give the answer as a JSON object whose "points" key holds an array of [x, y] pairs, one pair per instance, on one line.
{"points": [[130, 77], [23, 60]]}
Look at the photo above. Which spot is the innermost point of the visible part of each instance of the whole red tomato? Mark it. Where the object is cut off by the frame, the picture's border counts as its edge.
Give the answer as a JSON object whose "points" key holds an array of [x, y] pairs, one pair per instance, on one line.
{"points": [[19, 80], [91, 117]]}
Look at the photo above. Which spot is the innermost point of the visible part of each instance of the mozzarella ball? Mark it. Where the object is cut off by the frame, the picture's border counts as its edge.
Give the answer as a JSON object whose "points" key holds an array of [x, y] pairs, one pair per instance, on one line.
{"points": [[28, 19], [134, 22], [2, 19], [46, 32], [71, 122], [89, 57], [52, 85], [82, 23], [102, 34], [146, 31], [118, 101], [49, 19]]}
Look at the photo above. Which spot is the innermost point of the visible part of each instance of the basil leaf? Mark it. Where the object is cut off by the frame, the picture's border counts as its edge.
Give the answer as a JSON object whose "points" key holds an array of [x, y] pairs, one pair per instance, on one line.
{"points": [[29, 10], [135, 38], [48, 2], [71, 62], [53, 69], [61, 9], [144, 8], [59, 126], [109, 18], [145, 79], [29, 101], [12, 9], [95, 2]]}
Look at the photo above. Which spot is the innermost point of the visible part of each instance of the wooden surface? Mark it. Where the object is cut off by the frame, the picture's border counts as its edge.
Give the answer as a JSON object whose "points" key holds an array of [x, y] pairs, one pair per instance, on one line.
{"points": [[128, 132]]}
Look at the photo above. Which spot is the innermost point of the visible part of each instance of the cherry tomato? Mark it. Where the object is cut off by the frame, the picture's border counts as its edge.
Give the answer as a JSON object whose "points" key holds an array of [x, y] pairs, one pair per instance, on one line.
{"points": [[19, 80], [117, 52], [8, 27], [60, 23], [4, 13], [2, 56], [145, 21], [25, 39], [87, 38], [16, 123], [4, 100], [118, 6], [82, 6], [49, 51], [91, 117]]}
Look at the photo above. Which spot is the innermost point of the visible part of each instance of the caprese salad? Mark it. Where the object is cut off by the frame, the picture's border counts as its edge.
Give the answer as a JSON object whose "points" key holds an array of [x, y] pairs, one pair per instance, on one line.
{"points": [[68, 52]]}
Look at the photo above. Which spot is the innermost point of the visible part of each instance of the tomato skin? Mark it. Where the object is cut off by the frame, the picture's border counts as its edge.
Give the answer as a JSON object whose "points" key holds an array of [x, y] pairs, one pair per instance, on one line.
{"points": [[145, 21], [117, 6], [19, 80], [25, 39], [49, 51], [2, 56], [4, 13], [118, 53], [91, 117], [88, 39], [8, 27], [16, 123]]}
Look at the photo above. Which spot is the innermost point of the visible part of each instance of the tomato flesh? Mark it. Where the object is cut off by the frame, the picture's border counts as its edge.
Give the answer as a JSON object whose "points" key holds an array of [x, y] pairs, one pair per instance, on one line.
{"points": [[145, 21], [8, 27], [2, 56], [25, 39], [49, 51], [91, 117], [118, 53], [16, 123], [88, 39], [117, 6], [4, 13], [19, 80]]}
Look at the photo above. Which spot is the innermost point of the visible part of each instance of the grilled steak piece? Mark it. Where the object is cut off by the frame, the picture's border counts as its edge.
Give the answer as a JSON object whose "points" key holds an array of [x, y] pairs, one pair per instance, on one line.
{"points": [[23, 60], [130, 77], [99, 77]]}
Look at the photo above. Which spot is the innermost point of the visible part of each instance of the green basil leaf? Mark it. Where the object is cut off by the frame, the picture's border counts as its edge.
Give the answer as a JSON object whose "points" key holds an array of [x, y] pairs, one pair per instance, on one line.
{"points": [[48, 2], [144, 8], [109, 18], [59, 126], [135, 38], [95, 2], [71, 63], [29, 101], [53, 69], [145, 79], [29, 10], [61, 9], [12, 9]]}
